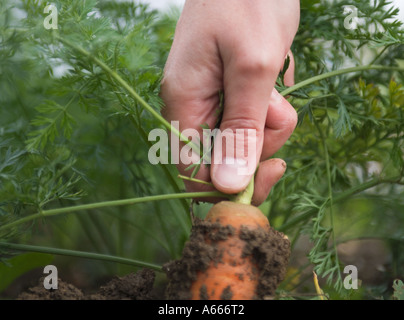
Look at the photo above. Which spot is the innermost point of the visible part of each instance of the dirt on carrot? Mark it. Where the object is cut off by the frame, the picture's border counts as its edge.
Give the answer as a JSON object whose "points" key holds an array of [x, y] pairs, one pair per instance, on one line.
{"points": [[229, 261]]}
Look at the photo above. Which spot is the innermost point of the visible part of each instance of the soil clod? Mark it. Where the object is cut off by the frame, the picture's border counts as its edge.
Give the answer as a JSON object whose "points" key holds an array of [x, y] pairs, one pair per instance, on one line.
{"points": [[134, 286]]}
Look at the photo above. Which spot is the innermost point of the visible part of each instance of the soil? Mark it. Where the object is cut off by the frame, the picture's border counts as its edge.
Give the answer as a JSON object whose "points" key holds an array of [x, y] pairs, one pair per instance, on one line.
{"points": [[269, 250], [134, 286]]}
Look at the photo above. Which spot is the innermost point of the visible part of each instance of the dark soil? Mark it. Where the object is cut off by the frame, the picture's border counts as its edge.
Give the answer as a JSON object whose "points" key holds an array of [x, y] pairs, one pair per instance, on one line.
{"points": [[134, 286], [65, 291], [270, 252]]}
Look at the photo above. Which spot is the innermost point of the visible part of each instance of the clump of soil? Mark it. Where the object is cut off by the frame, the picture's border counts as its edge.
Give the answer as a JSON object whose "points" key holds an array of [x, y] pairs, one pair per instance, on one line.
{"points": [[269, 250], [65, 291], [134, 286]]}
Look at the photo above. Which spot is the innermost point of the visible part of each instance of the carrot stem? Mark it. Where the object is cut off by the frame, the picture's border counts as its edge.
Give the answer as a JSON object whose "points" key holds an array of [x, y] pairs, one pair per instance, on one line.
{"points": [[245, 196], [195, 180], [79, 254], [336, 73], [112, 203]]}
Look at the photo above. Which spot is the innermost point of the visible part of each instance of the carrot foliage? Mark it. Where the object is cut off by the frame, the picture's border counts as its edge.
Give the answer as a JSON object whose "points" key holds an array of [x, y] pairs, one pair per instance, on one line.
{"points": [[77, 104]]}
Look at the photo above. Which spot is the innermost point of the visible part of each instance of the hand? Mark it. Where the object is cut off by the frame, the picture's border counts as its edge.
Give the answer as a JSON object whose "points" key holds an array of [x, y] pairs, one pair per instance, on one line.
{"points": [[239, 47]]}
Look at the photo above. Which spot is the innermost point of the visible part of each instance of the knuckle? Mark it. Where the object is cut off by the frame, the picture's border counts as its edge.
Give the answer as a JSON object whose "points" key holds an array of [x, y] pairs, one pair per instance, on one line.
{"points": [[242, 123], [256, 64], [291, 119]]}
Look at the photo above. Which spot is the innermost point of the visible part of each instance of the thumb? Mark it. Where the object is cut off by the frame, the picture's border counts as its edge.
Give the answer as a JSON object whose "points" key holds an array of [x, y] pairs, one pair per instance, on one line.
{"points": [[238, 144]]}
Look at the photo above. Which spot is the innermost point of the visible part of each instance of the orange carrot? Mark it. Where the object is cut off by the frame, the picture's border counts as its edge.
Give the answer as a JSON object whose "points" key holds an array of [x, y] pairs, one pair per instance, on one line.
{"points": [[234, 276], [233, 254]]}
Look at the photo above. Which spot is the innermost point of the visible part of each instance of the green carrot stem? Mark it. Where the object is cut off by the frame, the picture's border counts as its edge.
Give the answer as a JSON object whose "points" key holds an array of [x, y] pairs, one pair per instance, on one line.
{"points": [[336, 73], [131, 92], [113, 203], [246, 195], [195, 180], [79, 254]]}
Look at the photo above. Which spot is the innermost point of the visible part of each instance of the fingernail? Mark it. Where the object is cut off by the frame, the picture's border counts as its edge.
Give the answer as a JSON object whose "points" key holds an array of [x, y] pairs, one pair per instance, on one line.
{"points": [[232, 174], [283, 163]]}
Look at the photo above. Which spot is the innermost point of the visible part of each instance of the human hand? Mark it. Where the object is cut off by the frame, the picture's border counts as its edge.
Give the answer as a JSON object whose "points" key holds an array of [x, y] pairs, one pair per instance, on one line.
{"points": [[238, 47]]}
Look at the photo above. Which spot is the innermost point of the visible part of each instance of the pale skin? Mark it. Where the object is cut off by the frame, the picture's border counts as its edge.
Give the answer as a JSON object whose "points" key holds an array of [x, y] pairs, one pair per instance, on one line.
{"points": [[238, 47]]}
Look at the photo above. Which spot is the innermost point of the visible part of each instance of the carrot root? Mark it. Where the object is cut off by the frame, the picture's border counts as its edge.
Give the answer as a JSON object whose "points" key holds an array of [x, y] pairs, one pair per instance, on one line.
{"points": [[233, 254]]}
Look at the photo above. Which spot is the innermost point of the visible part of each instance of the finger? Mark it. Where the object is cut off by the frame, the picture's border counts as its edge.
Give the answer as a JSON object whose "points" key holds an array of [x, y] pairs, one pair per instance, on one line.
{"points": [[289, 77], [248, 83], [268, 174], [188, 121], [188, 104], [280, 122]]}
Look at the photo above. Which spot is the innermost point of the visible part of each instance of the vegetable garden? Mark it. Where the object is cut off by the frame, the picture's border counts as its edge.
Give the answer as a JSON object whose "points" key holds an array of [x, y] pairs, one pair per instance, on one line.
{"points": [[77, 190]]}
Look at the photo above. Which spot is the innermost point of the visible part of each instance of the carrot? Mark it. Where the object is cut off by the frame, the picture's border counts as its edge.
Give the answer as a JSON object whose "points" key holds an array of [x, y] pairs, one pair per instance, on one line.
{"points": [[234, 276], [233, 254]]}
